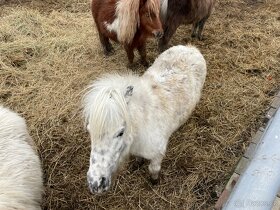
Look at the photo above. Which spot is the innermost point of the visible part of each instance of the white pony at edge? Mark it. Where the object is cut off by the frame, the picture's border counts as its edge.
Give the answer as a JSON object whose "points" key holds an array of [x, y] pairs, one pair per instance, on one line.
{"points": [[128, 114], [21, 182]]}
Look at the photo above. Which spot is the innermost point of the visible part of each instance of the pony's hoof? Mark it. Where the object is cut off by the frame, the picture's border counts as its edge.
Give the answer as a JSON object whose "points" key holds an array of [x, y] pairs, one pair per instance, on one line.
{"points": [[145, 63], [109, 52], [154, 181], [162, 48], [200, 38], [186, 40], [132, 65], [193, 35]]}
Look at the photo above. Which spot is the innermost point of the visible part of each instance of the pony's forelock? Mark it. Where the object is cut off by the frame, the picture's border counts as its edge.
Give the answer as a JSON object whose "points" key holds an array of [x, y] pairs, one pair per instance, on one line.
{"points": [[105, 109], [129, 20], [154, 6], [127, 11]]}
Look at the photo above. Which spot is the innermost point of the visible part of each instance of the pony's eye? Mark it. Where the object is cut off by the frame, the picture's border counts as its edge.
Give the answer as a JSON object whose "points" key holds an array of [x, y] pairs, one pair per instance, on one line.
{"points": [[119, 134]]}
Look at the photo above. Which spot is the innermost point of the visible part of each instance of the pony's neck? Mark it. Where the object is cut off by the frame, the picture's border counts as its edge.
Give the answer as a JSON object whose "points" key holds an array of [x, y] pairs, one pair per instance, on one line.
{"points": [[140, 104]]}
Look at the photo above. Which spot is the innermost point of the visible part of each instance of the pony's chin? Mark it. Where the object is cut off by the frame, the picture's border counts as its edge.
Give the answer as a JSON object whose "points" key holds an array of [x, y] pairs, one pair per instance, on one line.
{"points": [[100, 191]]}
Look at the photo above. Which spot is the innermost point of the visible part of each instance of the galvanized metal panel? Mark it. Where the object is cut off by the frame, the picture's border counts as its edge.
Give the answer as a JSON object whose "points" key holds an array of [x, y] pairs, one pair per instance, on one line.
{"points": [[257, 188], [242, 165]]}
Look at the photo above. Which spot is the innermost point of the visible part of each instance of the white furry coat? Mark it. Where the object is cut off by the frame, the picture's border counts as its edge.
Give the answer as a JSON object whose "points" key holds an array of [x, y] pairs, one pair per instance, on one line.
{"points": [[20, 169]]}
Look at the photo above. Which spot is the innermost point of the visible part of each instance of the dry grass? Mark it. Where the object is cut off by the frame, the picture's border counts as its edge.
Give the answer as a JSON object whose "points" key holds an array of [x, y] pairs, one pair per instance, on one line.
{"points": [[49, 52]]}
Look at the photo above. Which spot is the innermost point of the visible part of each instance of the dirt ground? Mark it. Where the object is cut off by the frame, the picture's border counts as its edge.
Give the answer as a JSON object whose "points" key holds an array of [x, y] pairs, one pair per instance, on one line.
{"points": [[49, 52]]}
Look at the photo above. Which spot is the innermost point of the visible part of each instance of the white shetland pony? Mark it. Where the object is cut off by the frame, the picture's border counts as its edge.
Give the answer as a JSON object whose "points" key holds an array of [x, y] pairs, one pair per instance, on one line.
{"points": [[21, 183], [136, 115]]}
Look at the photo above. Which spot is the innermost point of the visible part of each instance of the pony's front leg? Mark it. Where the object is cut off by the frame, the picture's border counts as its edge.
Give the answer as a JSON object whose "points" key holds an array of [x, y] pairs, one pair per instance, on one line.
{"points": [[106, 45], [194, 29], [200, 27], [142, 52], [170, 27], [154, 169], [130, 55]]}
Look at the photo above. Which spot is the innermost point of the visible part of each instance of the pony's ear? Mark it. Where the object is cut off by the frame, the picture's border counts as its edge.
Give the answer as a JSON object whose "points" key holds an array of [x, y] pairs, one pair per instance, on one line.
{"points": [[128, 92]]}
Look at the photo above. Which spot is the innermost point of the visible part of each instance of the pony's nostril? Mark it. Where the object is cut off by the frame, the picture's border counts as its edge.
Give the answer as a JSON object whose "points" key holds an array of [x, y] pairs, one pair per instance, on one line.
{"points": [[93, 186], [103, 182], [158, 34]]}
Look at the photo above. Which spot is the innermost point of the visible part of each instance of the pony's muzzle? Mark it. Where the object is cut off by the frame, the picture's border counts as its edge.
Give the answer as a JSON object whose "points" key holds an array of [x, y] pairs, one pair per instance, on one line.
{"points": [[98, 186], [93, 187], [158, 34]]}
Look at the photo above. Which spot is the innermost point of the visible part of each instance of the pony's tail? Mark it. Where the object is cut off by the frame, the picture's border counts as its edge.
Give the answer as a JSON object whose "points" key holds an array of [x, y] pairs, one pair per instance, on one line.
{"points": [[127, 12]]}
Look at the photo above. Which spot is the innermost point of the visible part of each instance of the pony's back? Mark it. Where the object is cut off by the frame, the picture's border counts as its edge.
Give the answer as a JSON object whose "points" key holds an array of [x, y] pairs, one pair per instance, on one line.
{"points": [[180, 61], [177, 76], [20, 169]]}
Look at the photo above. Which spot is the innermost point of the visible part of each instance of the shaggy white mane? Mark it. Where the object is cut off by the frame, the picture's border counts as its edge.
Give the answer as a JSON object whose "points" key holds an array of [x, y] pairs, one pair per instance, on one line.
{"points": [[105, 107], [129, 20]]}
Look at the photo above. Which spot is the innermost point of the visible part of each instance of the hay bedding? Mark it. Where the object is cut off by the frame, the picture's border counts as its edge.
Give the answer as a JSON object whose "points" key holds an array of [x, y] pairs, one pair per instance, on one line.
{"points": [[49, 52]]}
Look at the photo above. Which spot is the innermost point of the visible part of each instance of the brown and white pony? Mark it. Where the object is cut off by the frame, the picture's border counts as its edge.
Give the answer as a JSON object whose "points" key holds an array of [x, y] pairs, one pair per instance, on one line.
{"points": [[129, 22], [177, 12]]}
